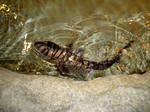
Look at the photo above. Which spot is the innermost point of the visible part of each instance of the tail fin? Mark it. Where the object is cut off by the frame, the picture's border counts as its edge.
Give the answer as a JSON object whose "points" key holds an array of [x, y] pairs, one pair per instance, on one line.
{"points": [[108, 63]]}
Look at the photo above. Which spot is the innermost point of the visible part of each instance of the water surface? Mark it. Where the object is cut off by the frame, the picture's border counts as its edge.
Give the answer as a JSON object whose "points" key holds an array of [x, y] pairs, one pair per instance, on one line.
{"points": [[100, 27]]}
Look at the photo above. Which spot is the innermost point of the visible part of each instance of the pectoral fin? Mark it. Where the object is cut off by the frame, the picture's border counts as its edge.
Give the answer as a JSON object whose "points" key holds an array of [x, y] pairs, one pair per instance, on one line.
{"points": [[62, 69], [69, 46]]}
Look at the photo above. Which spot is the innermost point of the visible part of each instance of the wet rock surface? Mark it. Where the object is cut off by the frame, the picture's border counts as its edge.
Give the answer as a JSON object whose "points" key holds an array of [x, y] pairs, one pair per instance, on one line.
{"points": [[100, 29], [41, 93]]}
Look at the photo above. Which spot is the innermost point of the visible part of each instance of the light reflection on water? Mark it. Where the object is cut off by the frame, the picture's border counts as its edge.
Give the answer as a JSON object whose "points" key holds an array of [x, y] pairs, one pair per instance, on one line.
{"points": [[101, 28]]}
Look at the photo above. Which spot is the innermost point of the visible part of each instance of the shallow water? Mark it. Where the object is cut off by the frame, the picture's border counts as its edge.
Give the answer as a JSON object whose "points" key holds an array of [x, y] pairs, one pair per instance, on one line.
{"points": [[100, 27]]}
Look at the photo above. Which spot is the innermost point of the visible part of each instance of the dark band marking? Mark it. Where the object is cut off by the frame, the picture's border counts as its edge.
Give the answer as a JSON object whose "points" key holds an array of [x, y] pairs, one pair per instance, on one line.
{"points": [[55, 51], [45, 52], [62, 54], [59, 52]]}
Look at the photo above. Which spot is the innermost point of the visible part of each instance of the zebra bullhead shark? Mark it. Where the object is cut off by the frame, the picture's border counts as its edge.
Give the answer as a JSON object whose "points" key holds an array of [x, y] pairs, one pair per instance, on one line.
{"points": [[71, 62]]}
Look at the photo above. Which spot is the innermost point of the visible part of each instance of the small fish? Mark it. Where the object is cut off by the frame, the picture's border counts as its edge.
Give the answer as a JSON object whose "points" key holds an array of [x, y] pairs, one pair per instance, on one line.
{"points": [[71, 62]]}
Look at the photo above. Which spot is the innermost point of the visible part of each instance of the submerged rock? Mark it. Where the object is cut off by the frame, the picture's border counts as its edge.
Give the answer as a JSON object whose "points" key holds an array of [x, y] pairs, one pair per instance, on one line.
{"points": [[40, 93], [97, 27]]}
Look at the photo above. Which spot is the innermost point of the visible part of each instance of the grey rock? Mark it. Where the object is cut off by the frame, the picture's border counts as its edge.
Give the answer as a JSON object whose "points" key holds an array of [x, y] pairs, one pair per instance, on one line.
{"points": [[41, 93]]}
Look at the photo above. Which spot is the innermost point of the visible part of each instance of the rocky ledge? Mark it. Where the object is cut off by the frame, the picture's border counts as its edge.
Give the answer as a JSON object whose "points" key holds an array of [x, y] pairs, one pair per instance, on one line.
{"points": [[33, 93]]}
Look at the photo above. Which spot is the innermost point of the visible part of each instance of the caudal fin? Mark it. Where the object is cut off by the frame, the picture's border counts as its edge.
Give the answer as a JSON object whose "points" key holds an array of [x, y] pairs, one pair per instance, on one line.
{"points": [[108, 63]]}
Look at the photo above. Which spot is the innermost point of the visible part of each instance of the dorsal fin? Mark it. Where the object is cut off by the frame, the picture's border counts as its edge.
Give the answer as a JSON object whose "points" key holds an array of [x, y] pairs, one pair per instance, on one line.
{"points": [[79, 52]]}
